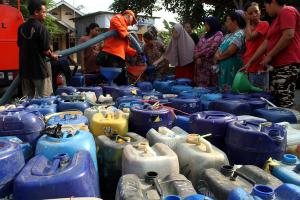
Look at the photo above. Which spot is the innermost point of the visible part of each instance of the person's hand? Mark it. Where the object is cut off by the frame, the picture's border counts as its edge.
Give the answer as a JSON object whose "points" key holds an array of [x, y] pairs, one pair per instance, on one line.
{"points": [[266, 60], [217, 57], [54, 57], [245, 68]]}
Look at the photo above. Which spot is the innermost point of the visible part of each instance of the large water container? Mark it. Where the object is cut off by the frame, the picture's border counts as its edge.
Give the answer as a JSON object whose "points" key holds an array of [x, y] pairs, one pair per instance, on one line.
{"points": [[11, 162], [249, 117], [219, 183], [106, 100], [97, 90], [277, 115], [293, 136], [22, 124], [254, 142], [167, 136], [89, 112], [66, 105], [67, 140], [256, 104], [183, 122], [184, 81], [77, 80], [232, 96], [153, 187], [152, 95], [67, 90], [206, 99], [124, 91], [163, 86], [108, 89], [25, 146], [177, 89], [237, 107], [195, 155], [214, 122], [58, 177], [109, 123], [44, 109], [110, 156], [145, 86], [196, 93], [263, 192], [126, 99], [288, 170], [186, 105], [66, 118], [45, 100], [142, 158], [141, 120], [126, 106]]}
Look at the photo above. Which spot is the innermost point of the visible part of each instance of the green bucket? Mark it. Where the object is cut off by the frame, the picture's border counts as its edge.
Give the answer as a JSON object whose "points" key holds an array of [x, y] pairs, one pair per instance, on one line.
{"points": [[241, 84]]}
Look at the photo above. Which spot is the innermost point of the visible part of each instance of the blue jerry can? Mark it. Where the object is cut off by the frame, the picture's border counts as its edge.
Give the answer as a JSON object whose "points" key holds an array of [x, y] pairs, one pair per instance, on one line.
{"points": [[237, 107], [11, 163], [186, 105], [145, 86], [97, 90], [253, 142], [277, 115], [44, 109], [67, 141], [65, 105], [59, 177], [22, 124], [68, 90], [184, 81], [45, 100], [66, 118], [25, 146]]}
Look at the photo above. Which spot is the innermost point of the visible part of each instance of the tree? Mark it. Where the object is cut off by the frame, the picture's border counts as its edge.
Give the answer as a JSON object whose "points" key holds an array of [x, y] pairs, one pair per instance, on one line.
{"points": [[50, 23]]}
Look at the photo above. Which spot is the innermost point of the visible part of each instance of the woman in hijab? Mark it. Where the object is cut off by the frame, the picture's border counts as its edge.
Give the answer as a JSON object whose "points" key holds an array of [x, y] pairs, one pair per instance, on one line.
{"points": [[205, 50], [180, 53], [229, 55]]}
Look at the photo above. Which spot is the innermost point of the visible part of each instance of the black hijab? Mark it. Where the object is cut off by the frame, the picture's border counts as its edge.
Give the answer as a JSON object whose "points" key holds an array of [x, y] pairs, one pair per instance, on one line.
{"points": [[214, 25]]}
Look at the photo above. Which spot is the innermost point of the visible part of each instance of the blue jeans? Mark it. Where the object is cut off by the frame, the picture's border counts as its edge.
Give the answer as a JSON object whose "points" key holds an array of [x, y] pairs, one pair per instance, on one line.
{"points": [[260, 79]]}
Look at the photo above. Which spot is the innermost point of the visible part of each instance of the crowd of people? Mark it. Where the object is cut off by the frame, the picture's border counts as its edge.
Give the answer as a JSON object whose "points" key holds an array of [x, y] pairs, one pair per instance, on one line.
{"points": [[268, 52]]}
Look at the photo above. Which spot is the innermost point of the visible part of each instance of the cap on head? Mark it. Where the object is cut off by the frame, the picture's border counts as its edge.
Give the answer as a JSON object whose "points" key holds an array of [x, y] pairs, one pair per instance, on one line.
{"points": [[130, 13]]}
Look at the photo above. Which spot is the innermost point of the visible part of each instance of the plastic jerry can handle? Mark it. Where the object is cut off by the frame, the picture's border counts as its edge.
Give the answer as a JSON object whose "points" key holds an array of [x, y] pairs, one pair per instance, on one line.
{"points": [[197, 139], [212, 116]]}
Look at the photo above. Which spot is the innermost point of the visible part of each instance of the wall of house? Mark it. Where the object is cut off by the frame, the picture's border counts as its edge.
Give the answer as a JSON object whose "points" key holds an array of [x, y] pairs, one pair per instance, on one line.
{"points": [[65, 14]]}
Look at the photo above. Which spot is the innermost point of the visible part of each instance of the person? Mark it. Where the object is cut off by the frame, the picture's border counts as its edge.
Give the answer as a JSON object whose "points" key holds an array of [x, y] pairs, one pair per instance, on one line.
{"points": [[89, 55], [34, 47], [180, 53], [115, 48], [255, 32], [153, 50], [205, 51], [189, 30], [282, 49], [228, 57]]}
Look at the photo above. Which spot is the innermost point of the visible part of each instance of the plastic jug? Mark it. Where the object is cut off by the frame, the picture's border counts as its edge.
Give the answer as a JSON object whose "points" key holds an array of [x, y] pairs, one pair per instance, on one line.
{"points": [[196, 93], [152, 95], [110, 156], [107, 99], [236, 107], [45, 100], [69, 117], [109, 123], [183, 122], [277, 115], [142, 158], [249, 117], [218, 183], [234, 96], [88, 113], [128, 105], [44, 109], [254, 142], [183, 81], [124, 91], [67, 140], [145, 86], [22, 124], [293, 136], [59, 177], [197, 154], [65, 90], [97, 90], [263, 192], [214, 122], [141, 120], [163, 86], [77, 80], [127, 99], [25, 146], [153, 187], [66, 105], [167, 136], [206, 99], [186, 105], [11, 162], [256, 104], [287, 170]]}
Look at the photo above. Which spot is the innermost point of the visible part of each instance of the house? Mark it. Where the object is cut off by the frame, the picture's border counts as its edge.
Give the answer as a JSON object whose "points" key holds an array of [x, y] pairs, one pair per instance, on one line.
{"points": [[63, 13], [102, 18]]}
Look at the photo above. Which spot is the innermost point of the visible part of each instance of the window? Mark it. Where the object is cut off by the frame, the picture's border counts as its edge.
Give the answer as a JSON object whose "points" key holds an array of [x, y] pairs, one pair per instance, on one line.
{"points": [[69, 13]]}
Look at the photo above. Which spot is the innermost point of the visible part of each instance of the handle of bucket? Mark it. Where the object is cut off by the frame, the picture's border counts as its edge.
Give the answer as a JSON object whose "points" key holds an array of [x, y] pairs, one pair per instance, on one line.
{"points": [[236, 174], [270, 103], [197, 139]]}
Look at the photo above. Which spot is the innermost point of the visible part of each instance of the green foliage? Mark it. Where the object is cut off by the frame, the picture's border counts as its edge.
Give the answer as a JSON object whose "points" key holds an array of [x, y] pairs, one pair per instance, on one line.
{"points": [[138, 6]]}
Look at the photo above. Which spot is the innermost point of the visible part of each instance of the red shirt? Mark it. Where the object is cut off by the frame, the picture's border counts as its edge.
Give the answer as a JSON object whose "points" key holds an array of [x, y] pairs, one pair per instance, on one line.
{"points": [[252, 45], [288, 18]]}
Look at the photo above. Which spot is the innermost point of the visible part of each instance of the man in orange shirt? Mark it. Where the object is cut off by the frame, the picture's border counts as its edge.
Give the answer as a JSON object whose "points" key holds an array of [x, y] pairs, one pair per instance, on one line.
{"points": [[115, 48]]}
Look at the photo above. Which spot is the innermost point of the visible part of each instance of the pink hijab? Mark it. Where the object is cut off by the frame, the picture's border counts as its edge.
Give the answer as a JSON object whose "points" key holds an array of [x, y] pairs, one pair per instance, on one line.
{"points": [[180, 51]]}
